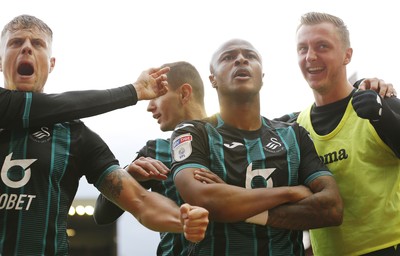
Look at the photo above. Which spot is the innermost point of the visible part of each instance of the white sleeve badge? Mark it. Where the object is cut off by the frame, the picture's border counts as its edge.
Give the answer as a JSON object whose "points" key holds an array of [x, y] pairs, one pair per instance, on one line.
{"points": [[182, 147]]}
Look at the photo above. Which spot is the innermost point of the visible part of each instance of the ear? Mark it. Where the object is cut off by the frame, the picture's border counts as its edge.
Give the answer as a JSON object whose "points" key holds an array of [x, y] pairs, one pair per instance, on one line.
{"points": [[212, 80], [349, 54], [52, 64], [262, 80], [185, 92]]}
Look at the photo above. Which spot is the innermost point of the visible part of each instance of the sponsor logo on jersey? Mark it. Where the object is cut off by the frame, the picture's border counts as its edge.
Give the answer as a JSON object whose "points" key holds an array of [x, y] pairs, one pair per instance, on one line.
{"points": [[334, 156], [263, 175], [16, 201], [15, 174], [274, 146], [41, 136], [233, 144], [9, 168], [182, 147]]}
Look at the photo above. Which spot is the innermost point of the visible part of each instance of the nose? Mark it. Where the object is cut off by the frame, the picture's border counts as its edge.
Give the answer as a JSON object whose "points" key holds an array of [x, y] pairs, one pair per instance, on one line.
{"points": [[27, 47], [311, 55], [241, 59], [151, 106]]}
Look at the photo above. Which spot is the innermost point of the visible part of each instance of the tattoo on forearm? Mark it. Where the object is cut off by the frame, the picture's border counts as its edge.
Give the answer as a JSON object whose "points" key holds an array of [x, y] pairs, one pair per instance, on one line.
{"points": [[112, 185]]}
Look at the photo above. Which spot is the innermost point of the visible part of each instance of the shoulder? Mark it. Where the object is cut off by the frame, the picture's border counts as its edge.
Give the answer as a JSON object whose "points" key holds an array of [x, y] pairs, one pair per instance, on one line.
{"points": [[77, 126], [155, 148], [288, 118], [192, 124], [279, 124], [81, 132], [159, 142]]}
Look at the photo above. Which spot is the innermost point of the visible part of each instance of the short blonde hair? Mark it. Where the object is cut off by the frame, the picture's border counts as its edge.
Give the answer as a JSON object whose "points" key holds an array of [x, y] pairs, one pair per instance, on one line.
{"points": [[314, 18], [27, 22]]}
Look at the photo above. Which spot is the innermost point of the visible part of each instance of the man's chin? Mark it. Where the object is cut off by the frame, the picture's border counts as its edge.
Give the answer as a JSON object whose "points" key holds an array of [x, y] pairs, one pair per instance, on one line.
{"points": [[25, 88]]}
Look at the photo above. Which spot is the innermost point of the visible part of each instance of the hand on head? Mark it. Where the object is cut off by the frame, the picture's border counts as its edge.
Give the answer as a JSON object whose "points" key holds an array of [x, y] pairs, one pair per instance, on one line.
{"points": [[152, 83]]}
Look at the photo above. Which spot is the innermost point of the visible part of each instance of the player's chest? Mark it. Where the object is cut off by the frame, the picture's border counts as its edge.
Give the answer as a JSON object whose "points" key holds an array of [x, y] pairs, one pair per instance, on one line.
{"points": [[39, 148], [253, 146]]}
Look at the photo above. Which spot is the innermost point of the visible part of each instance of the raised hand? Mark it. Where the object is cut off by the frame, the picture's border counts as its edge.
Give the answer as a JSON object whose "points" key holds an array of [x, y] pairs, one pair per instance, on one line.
{"points": [[151, 83]]}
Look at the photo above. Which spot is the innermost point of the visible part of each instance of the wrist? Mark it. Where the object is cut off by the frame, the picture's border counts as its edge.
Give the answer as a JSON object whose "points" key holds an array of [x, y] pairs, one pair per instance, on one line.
{"points": [[136, 87]]}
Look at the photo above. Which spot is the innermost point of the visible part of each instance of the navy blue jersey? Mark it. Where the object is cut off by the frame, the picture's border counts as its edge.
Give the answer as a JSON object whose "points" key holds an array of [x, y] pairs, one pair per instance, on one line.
{"points": [[160, 149], [278, 154], [171, 244], [40, 172]]}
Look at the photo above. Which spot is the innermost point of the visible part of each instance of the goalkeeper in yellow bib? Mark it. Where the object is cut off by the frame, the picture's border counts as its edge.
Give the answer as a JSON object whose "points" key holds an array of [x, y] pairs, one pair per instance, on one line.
{"points": [[356, 134]]}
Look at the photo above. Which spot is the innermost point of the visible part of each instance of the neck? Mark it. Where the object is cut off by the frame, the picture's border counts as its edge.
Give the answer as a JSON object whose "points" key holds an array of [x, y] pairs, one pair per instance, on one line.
{"points": [[243, 116], [332, 94], [196, 112]]}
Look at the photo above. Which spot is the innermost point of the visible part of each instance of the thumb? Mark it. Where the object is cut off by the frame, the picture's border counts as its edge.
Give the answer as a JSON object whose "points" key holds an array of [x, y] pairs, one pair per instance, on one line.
{"points": [[185, 208]]}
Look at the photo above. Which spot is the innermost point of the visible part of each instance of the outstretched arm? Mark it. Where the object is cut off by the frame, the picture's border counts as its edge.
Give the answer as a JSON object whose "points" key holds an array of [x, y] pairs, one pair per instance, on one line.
{"points": [[146, 206], [28, 109]]}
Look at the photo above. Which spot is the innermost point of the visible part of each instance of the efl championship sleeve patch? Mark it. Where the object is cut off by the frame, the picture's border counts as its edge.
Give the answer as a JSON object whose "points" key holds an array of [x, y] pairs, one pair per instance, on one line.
{"points": [[182, 147]]}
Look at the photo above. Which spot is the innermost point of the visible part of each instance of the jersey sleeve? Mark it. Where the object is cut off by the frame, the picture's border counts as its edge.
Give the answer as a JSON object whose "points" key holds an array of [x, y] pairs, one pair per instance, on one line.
{"points": [[189, 147], [105, 211], [29, 109], [288, 118], [94, 156], [311, 165]]}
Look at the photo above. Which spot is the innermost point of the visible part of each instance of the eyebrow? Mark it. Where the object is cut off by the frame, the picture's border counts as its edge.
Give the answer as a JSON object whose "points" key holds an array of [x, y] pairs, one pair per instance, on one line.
{"points": [[246, 50]]}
